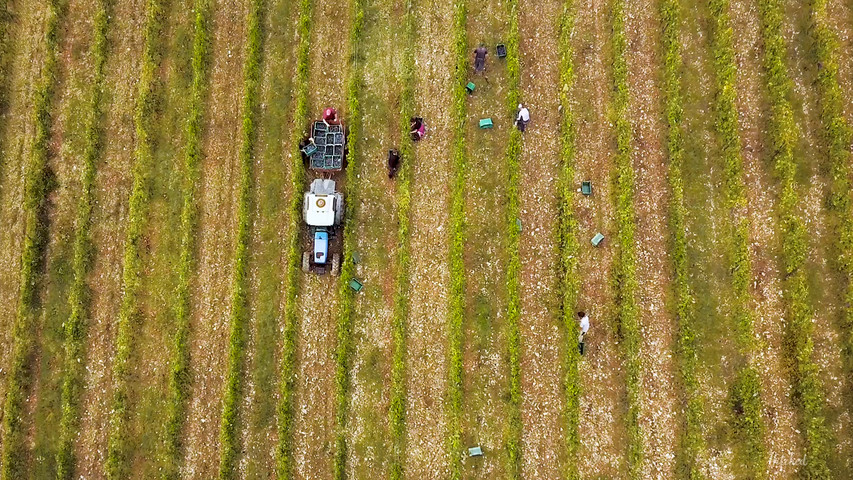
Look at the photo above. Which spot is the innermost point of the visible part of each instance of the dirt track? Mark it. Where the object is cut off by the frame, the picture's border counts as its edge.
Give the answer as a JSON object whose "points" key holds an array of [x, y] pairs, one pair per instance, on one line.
{"points": [[543, 339], [430, 223]]}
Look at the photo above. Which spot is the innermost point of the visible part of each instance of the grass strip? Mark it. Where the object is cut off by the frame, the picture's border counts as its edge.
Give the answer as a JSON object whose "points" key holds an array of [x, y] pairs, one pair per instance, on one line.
{"points": [[239, 289], [457, 245], [569, 246], [808, 390], [626, 281], [116, 463], [179, 373], [5, 73], [36, 190], [513, 158], [399, 320], [78, 298], [345, 293], [692, 442], [745, 395], [837, 138], [284, 450]]}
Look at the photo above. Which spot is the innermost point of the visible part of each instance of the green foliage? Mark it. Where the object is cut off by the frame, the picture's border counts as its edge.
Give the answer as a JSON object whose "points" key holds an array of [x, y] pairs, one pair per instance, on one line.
{"points": [[116, 463], [629, 329], [783, 135], [179, 375], [239, 290], [457, 243], [346, 294], [569, 247], [399, 394], [75, 326], [748, 422], [36, 189], [745, 400], [284, 454], [692, 441], [837, 138], [513, 154]]}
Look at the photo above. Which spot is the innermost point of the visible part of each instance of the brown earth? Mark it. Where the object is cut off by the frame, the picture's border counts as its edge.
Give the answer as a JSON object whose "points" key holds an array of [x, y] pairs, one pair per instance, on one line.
{"points": [[603, 401], [112, 188], [430, 224], [660, 413], [784, 446], [542, 335], [220, 179]]}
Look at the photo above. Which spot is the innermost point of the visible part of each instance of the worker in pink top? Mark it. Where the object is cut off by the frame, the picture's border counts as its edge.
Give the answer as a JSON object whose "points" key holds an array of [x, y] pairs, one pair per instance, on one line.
{"points": [[330, 116]]}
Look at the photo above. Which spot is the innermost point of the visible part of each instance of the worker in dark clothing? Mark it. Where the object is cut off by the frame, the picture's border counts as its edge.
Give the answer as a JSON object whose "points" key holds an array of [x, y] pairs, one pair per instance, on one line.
{"points": [[480, 58], [393, 163]]}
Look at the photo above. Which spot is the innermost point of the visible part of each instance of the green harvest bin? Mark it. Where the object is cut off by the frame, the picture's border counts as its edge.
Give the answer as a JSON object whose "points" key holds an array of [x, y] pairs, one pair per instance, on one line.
{"points": [[586, 188], [470, 87], [486, 123], [475, 451], [355, 285], [309, 149], [597, 239]]}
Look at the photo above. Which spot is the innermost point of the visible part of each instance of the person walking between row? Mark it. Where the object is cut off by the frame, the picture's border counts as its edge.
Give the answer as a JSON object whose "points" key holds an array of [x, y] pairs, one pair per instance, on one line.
{"points": [[522, 118], [583, 321], [480, 58]]}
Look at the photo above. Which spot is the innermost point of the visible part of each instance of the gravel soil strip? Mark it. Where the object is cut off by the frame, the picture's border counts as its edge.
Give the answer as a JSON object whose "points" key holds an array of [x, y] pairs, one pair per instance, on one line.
{"points": [[542, 337], [317, 300], [603, 402], [26, 52], [109, 216], [376, 236], [430, 221], [784, 446], [659, 414], [215, 236]]}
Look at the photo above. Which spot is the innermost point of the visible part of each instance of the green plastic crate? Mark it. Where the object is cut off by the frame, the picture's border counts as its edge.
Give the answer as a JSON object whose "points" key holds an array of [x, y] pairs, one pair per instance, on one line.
{"points": [[355, 285], [470, 87], [486, 123], [597, 239]]}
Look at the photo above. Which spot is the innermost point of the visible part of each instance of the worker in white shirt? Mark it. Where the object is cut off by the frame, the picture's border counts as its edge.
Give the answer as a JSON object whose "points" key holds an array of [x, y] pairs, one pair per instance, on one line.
{"points": [[583, 320], [522, 118]]}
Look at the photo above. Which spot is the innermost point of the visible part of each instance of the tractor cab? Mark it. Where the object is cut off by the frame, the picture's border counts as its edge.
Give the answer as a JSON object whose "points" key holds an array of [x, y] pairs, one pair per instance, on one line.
{"points": [[323, 210]]}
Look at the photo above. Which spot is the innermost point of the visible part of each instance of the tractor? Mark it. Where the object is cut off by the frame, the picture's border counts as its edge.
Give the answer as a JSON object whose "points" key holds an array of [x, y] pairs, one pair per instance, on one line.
{"points": [[323, 205], [323, 209]]}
